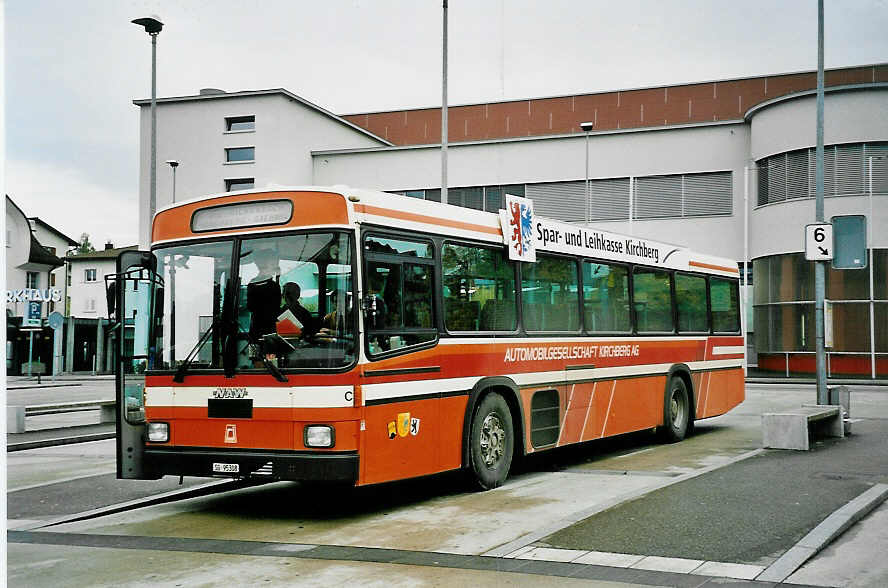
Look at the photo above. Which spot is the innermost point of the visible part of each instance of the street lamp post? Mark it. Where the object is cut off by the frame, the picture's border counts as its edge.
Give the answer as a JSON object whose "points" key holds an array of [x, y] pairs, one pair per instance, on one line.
{"points": [[587, 127], [173, 164], [153, 27], [872, 296]]}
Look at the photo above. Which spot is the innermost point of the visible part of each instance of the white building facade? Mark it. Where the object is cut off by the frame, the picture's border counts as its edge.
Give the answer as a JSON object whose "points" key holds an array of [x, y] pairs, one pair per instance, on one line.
{"points": [[723, 167]]}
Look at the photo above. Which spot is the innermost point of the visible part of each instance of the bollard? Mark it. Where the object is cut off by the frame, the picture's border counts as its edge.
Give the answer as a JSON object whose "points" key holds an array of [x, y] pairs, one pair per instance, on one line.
{"points": [[15, 419], [841, 396]]}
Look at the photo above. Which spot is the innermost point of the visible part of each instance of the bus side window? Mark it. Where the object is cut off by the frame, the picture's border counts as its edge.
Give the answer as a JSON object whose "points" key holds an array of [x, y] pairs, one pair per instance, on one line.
{"points": [[606, 298], [479, 289], [398, 283], [653, 301], [690, 299], [725, 305]]}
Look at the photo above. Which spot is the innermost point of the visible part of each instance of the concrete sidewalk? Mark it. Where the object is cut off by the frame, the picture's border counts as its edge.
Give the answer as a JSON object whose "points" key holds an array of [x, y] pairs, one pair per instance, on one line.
{"points": [[745, 519]]}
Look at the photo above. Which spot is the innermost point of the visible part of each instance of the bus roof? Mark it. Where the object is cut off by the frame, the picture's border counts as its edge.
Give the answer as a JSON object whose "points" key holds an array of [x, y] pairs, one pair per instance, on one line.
{"points": [[339, 205]]}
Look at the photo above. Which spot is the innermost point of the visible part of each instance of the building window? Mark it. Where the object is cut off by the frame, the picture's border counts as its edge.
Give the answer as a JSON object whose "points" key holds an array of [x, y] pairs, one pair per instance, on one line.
{"points": [[240, 154], [791, 175], [89, 275], [240, 123], [89, 305], [239, 184], [32, 280], [52, 280]]}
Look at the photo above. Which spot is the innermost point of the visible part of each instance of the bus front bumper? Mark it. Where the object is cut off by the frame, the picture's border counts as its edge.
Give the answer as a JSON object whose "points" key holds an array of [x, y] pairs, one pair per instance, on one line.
{"points": [[308, 466]]}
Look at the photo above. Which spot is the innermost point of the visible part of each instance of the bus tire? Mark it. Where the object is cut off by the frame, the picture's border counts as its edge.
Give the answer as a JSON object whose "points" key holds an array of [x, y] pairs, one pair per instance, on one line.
{"points": [[676, 410], [491, 442]]}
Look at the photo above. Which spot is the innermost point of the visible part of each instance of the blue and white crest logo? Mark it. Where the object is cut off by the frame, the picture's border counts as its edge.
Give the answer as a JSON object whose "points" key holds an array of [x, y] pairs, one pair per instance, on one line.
{"points": [[517, 225]]}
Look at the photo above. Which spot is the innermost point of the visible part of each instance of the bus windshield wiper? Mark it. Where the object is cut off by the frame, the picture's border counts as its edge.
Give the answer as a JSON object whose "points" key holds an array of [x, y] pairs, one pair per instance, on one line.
{"points": [[276, 344], [186, 363]]}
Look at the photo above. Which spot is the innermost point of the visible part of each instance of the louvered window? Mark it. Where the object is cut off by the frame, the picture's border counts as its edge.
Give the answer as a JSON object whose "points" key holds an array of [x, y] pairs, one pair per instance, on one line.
{"points": [[562, 201], [791, 175], [708, 194], [609, 199], [658, 197]]}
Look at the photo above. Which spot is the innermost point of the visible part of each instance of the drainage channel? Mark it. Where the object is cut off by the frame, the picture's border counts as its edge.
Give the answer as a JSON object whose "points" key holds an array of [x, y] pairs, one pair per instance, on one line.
{"points": [[214, 487]]}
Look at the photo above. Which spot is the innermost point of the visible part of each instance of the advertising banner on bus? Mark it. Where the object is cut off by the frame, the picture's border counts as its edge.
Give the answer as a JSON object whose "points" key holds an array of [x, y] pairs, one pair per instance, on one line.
{"points": [[524, 233]]}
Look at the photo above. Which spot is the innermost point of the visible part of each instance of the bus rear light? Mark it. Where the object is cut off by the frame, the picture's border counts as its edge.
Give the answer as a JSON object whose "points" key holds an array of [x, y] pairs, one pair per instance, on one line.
{"points": [[158, 432], [319, 436]]}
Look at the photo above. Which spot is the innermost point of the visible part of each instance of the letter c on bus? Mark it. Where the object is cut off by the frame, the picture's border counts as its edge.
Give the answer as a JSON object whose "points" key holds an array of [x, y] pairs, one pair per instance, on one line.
{"points": [[349, 395]]}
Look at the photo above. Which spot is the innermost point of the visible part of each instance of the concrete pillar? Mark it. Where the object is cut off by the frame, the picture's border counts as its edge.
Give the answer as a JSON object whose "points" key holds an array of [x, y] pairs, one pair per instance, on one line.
{"points": [[69, 346], [100, 345]]}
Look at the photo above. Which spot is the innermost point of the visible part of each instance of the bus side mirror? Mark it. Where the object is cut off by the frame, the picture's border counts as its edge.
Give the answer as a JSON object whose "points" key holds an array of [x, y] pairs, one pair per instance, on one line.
{"points": [[111, 296]]}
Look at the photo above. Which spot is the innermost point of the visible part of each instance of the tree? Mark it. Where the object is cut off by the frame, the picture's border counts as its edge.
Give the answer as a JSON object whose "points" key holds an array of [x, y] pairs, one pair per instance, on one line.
{"points": [[85, 246]]}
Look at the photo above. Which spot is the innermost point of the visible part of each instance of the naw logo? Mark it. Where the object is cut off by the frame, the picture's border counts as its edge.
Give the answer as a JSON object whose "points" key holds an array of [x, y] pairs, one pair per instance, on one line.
{"points": [[517, 224]]}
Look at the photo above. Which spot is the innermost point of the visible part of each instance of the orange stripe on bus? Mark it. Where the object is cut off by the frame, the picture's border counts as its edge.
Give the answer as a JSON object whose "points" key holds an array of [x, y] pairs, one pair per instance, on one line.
{"points": [[721, 268], [421, 218]]}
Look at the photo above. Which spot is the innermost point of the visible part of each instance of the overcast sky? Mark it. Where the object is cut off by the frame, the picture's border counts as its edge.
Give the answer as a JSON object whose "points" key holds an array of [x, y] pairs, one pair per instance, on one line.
{"points": [[74, 67]]}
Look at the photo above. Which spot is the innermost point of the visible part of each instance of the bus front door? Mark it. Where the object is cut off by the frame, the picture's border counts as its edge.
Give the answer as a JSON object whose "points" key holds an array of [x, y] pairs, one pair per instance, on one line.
{"points": [[135, 294]]}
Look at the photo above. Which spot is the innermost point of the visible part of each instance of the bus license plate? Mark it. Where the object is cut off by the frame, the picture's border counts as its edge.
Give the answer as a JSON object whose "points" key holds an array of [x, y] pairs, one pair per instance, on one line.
{"points": [[226, 468]]}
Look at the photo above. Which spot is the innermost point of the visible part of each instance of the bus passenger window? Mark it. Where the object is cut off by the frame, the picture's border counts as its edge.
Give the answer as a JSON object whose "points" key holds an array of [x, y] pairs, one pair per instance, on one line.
{"points": [[606, 298], [653, 301], [550, 294], [398, 280], [725, 306], [479, 289], [690, 298]]}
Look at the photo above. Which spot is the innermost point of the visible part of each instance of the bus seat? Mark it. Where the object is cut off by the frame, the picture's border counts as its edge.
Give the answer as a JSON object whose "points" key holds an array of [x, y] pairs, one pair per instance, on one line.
{"points": [[462, 315], [498, 315]]}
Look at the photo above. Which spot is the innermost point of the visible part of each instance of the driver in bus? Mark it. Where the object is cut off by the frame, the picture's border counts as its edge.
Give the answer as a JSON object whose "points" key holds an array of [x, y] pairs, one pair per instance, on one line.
{"points": [[264, 296], [292, 292]]}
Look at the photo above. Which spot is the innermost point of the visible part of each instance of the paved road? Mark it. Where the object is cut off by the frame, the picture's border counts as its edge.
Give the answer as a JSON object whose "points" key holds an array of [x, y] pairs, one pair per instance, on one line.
{"points": [[434, 529]]}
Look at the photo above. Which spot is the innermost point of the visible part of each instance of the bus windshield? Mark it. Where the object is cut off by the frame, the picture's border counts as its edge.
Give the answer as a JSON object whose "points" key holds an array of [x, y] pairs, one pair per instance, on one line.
{"points": [[289, 302]]}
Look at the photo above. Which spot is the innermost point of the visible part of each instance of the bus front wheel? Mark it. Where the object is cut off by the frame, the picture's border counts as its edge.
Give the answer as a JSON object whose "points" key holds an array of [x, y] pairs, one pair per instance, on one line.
{"points": [[676, 411], [491, 442]]}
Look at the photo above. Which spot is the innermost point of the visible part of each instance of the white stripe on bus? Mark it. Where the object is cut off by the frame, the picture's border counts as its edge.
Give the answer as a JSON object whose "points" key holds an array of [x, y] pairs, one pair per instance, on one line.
{"points": [[336, 396], [417, 388], [262, 396], [727, 350]]}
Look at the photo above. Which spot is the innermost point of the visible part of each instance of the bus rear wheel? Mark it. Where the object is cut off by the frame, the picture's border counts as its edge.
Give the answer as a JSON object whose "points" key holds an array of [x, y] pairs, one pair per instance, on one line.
{"points": [[676, 411], [492, 442]]}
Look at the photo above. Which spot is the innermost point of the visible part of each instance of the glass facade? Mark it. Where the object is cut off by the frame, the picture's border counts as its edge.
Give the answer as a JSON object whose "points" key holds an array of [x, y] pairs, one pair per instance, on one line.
{"points": [[783, 299]]}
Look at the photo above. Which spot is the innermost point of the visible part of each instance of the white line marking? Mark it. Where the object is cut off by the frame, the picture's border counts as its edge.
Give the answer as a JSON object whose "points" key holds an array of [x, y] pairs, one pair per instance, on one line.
{"points": [[708, 384], [60, 481], [566, 410], [588, 409], [609, 403]]}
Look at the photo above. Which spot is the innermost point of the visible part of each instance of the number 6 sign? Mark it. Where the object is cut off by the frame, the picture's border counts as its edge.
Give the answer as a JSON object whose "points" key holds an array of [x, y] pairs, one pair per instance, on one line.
{"points": [[819, 242]]}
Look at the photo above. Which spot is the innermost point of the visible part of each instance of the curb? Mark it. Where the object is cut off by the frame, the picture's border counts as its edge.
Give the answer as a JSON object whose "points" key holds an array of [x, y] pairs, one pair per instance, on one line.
{"points": [[43, 385], [10, 447], [824, 533], [809, 382]]}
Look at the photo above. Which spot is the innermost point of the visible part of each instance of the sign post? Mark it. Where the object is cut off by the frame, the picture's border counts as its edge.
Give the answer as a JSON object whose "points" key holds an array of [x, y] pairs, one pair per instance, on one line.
{"points": [[57, 322], [31, 319]]}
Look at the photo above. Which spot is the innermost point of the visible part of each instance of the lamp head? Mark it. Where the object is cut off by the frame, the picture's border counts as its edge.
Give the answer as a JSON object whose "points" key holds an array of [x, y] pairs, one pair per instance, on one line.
{"points": [[587, 126], [173, 163], [152, 24]]}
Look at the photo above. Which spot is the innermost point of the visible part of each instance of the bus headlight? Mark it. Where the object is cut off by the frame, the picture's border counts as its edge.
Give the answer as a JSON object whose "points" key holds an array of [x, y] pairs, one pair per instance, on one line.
{"points": [[319, 436], [158, 432]]}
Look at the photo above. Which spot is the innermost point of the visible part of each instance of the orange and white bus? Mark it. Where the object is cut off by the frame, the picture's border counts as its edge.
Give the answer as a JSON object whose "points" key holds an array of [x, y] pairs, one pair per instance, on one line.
{"points": [[348, 335]]}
